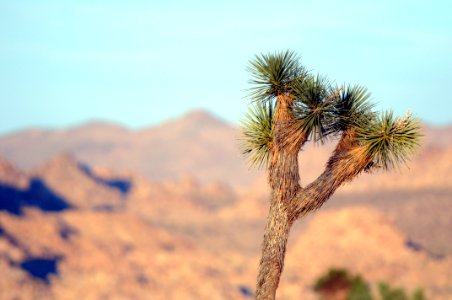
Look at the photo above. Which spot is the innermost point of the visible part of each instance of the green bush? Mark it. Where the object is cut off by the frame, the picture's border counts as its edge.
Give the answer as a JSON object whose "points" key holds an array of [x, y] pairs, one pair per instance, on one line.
{"points": [[388, 293], [337, 281]]}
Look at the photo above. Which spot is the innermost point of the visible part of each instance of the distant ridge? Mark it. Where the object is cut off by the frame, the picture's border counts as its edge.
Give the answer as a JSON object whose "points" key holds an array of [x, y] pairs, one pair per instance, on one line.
{"points": [[197, 144]]}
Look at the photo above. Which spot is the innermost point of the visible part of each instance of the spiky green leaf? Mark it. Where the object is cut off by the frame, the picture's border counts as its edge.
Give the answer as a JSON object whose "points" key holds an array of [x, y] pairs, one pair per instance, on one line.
{"points": [[352, 108], [274, 74], [257, 134], [314, 107], [390, 141]]}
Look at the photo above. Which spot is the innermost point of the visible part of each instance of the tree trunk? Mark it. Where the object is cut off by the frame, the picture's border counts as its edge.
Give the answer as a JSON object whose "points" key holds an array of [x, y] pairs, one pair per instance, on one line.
{"points": [[284, 180], [273, 251], [290, 201]]}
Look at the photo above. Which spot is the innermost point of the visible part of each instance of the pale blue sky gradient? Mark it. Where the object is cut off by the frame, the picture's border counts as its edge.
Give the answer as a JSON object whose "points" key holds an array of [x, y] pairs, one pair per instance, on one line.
{"points": [[141, 62]]}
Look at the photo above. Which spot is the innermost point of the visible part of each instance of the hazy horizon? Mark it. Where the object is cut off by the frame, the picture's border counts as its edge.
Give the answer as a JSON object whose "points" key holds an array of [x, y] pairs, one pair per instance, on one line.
{"points": [[105, 121]]}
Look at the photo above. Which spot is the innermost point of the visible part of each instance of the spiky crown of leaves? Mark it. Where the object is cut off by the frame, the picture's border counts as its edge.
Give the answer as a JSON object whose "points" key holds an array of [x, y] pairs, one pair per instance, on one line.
{"points": [[321, 110]]}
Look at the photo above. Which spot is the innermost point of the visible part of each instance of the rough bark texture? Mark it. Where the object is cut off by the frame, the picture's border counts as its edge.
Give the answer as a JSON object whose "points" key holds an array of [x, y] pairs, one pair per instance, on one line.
{"points": [[346, 162], [289, 200], [273, 250], [284, 180]]}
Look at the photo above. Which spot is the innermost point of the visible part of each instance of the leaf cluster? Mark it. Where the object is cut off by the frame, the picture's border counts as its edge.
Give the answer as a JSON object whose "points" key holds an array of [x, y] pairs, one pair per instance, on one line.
{"points": [[314, 107], [274, 74], [257, 133], [389, 140], [320, 110], [325, 110]]}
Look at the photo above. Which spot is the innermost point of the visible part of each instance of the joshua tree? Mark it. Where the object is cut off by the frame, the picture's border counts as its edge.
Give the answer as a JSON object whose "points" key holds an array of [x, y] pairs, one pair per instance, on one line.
{"points": [[290, 107]]}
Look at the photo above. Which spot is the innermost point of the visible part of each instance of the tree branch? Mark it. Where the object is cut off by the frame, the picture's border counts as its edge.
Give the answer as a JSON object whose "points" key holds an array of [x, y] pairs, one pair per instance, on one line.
{"points": [[347, 161], [288, 132], [283, 173]]}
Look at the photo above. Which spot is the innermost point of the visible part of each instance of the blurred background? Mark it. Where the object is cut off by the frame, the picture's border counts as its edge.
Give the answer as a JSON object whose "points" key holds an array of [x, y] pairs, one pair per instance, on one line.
{"points": [[120, 170]]}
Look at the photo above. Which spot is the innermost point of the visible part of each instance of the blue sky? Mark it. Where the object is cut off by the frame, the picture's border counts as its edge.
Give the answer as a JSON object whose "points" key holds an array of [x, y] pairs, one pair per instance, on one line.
{"points": [[141, 62]]}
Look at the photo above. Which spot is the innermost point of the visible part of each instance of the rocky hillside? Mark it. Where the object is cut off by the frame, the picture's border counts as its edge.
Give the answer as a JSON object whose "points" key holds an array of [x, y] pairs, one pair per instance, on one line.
{"points": [[103, 234], [366, 242], [103, 240]]}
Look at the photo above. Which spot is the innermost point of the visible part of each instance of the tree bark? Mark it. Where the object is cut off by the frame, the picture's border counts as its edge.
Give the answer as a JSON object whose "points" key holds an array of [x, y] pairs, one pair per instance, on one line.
{"points": [[284, 181], [346, 162], [273, 251]]}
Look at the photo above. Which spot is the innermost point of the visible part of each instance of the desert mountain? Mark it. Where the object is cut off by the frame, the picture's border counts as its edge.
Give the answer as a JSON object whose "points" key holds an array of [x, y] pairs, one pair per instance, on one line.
{"points": [[79, 186], [202, 146], [197, 144]]}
